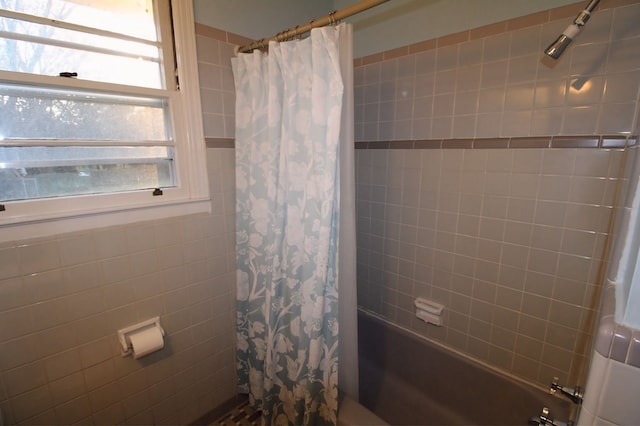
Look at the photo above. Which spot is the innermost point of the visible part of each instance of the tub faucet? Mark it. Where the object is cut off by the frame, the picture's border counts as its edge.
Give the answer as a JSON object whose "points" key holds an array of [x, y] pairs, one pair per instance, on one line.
{"points": [[545, 419], [574, 394]]}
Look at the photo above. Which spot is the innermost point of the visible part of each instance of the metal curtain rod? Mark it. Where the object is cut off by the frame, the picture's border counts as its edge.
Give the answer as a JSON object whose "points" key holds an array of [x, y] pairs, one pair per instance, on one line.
{"points": [[330, 19]]}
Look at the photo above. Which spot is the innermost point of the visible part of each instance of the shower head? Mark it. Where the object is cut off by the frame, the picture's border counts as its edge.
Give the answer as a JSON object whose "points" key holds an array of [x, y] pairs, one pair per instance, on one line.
{"points": [[556, 48]]}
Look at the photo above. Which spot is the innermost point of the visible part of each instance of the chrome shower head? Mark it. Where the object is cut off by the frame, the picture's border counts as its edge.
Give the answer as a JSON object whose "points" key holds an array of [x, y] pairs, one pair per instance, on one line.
{"points": [[556, 48]]}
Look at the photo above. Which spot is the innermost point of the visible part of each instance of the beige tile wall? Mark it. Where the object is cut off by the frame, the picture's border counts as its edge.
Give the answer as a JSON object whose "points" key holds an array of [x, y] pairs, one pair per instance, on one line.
{"points": [[495, 83], [217, 90], [511, 241], [62, 299]]}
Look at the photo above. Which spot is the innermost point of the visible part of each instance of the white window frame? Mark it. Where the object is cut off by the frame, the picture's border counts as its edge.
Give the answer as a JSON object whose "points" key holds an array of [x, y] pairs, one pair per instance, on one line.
{"points": [[44, 217]]}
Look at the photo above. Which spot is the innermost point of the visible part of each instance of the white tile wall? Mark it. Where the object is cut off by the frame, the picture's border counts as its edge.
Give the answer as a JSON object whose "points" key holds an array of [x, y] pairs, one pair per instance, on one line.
{"points": [[610, 397]]}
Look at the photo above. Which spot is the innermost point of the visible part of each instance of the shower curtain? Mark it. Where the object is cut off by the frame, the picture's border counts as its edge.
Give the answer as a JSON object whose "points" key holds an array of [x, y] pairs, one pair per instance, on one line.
{"points": [[290, 149], [624, 268]]}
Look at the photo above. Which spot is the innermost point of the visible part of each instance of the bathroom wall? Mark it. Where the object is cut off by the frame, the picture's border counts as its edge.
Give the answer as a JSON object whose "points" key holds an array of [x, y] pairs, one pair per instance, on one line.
{"points": [[510, 312], [217, 92], [614, 371], [516, 232], [390, 25], [486, 181], [63, 298], [400, 22], [256, 18]]}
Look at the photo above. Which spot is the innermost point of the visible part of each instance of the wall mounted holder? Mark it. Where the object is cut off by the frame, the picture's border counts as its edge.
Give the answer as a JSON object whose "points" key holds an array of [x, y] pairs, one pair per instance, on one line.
{"points": [[429, 311], [141, 339]]}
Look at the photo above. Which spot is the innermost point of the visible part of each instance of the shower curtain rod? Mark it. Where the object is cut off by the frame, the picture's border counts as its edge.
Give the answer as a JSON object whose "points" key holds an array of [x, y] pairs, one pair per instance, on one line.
{"points": [[330, 19]]}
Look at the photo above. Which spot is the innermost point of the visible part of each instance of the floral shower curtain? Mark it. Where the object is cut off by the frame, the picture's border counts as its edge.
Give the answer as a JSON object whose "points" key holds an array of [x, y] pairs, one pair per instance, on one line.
{"points": [[288, 113]]}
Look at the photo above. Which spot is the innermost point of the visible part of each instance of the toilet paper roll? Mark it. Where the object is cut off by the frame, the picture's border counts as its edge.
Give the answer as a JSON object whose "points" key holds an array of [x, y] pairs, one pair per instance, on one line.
{"points": [[146, 341]]}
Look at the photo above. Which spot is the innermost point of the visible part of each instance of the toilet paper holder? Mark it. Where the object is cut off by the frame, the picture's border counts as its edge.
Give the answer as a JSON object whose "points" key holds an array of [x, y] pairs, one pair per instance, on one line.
{"points": [[429, 311], [124, 333], [428, 306]]}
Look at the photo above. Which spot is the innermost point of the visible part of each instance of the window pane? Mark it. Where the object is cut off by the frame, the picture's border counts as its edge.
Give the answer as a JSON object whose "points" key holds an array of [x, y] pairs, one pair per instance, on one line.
{"points": [[60, 141], [39, 48], [43, 172], [92, 41], [52, 60], [41, 113], [130, 17]]}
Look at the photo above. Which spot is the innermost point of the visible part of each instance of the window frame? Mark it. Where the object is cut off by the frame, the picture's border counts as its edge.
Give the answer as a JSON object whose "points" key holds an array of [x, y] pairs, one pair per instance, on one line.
{"points": [[49, 216]]}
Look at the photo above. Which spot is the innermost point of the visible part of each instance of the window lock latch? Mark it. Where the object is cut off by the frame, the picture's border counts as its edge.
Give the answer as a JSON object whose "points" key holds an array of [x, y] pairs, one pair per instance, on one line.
{"points": [[68, 74], [157, 192], [2, 208]]}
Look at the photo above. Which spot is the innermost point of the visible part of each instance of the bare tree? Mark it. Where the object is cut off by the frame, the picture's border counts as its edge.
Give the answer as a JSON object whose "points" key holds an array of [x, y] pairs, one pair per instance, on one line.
{"points": [[30, 57]]}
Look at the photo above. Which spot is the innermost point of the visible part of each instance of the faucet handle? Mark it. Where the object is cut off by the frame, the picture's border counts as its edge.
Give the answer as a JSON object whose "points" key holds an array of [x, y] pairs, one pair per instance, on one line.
{"points": [[545, 419], [554, 386]]}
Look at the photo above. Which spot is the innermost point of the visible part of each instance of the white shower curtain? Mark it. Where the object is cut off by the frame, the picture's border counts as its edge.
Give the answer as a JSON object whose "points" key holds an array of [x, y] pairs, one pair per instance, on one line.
{"points": [[624, 268], [348, 313], [295, 221]]}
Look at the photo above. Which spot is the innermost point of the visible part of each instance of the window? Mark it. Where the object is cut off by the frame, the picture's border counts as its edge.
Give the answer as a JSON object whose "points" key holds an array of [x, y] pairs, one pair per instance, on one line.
{"points": [[92, 117], [113, 41]]}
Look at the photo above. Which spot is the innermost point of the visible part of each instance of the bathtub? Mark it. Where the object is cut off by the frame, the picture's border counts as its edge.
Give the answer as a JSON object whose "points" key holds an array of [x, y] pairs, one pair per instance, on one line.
{"points": [[350, 413], [406, 379]]}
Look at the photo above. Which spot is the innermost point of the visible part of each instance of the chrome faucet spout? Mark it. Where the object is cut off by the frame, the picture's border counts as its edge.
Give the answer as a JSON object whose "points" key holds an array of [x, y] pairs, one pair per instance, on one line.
{"points": [[545, 419]]}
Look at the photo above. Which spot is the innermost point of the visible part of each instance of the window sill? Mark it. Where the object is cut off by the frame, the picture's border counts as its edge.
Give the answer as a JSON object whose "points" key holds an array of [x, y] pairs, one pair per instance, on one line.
{"points": [[82, 222]]}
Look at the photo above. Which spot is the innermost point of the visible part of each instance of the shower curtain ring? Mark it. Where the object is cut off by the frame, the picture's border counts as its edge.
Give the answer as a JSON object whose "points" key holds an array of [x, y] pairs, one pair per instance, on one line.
{"points": [[332, 17]]}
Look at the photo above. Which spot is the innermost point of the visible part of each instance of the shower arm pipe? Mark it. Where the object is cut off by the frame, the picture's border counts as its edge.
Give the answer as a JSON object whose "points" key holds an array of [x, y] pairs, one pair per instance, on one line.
{"points": [[330, 19], [556, 48], [584, 15]]}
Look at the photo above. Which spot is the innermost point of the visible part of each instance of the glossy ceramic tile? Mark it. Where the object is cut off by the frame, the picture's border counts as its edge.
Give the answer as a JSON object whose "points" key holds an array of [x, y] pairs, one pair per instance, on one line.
{"points": [[60, 361], [591, 89]]}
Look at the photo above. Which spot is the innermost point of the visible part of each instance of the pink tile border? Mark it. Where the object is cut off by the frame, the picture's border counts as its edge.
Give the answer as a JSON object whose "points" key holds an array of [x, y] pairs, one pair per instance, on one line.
{"points": [[224, 36], [451, 39], [422, 46], [537, 18], [488, 30]]}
